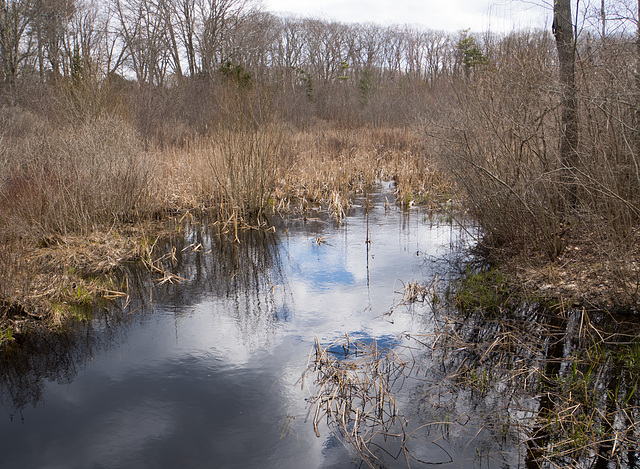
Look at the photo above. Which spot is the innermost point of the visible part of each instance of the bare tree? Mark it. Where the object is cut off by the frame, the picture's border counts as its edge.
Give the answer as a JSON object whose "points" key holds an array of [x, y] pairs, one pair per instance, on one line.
{"points": [[289, 51], [186, 24], [51, 20], [145, 35], [563, 31], [14, 20], [217, 16], [84, 39]]}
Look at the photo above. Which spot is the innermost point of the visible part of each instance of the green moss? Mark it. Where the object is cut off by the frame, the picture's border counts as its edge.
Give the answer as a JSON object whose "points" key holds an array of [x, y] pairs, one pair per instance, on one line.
{"points": [[485, 291], [6, 337]]}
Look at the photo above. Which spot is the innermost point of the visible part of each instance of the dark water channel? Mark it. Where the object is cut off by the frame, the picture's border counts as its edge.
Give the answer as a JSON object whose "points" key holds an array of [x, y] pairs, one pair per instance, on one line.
{"points": [[203, 373]]}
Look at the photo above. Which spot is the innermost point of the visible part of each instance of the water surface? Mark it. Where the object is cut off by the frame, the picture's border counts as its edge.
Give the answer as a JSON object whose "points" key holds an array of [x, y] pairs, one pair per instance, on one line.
{"points": [[205, 373]]}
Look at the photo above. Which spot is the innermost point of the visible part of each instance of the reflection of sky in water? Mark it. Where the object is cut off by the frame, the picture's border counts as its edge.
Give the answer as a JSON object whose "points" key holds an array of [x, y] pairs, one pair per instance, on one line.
{"points": [[210, 379]]}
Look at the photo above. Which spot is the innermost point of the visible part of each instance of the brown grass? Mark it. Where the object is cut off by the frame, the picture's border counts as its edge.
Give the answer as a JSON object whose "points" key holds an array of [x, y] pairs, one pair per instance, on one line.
{"points": [[65, 186], [72, 179], [556, 388], [296, 170], [355, 394], [325, 166]]}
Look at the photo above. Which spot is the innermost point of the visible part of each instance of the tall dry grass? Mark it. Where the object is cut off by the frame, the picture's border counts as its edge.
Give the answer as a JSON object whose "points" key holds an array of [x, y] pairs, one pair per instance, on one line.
{"points": [[69, 179], [326, 165], [75, 184], [280, 168]]}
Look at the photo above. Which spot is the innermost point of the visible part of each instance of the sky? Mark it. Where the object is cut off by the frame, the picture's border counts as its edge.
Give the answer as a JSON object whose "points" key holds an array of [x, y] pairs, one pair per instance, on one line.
{"points": [[445, 15]]}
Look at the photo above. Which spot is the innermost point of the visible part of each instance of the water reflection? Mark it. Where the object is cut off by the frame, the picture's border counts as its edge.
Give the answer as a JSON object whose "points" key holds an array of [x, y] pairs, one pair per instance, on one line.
{"points": [[203, 372], [533, 387]]}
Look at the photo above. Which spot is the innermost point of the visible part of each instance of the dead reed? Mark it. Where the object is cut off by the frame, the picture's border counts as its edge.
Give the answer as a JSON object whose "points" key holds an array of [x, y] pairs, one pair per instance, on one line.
{"points": [[551, 390], [326, 165], [353, 391], [282, 169]]}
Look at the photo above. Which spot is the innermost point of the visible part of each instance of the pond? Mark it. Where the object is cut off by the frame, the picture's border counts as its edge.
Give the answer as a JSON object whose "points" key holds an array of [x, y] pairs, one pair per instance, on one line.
{"points": [[206, 372]]}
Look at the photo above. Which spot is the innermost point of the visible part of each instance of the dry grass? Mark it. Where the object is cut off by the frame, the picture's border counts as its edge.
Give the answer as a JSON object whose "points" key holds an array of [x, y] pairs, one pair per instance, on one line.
{"points": [[557, 390], [61, 278], [325, 166], [354, 393], [294, 170], [63, 186], [71, 179]]}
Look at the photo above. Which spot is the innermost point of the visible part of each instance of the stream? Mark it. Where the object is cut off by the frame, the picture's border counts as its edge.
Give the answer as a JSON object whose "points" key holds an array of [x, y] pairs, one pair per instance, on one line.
{"points": [[205, 372]]}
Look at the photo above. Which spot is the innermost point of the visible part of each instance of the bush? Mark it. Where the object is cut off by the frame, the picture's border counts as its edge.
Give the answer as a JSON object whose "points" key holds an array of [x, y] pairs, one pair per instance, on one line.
{"points": [[70, 179]]}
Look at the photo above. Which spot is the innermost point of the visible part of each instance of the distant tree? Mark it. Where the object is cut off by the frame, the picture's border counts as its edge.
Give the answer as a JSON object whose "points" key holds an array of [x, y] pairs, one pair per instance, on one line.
{"points": [[14, 21], [469, 53], [50, 25], [216, 17], [236, 74], [186, 25]]}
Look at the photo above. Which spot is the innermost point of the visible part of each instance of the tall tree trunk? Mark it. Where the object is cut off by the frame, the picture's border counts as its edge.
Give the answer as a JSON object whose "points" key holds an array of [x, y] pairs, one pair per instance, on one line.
{"points": [[565, 43], [637, 103]]}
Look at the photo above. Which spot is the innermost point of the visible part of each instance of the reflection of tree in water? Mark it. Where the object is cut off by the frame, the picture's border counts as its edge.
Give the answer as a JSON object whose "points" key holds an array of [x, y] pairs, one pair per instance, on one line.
{"points": [[28, 366], [564, 384], [243, 275], [524, 387]]}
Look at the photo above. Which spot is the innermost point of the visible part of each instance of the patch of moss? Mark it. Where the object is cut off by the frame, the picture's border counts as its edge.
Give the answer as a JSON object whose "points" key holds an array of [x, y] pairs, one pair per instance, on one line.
{"points": [[485, 290]]}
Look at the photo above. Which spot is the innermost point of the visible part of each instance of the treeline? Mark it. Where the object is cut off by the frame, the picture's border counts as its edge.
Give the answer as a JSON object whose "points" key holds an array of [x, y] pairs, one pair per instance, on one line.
{"points": [[328, 69], [159, 42]]}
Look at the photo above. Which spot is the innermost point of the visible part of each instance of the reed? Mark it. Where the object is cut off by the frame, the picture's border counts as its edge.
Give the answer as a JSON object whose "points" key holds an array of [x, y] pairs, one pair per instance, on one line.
{"points": [[71, 179], [326, 165], [247, 171], [93, 174], [354, 393], [553, 388]]}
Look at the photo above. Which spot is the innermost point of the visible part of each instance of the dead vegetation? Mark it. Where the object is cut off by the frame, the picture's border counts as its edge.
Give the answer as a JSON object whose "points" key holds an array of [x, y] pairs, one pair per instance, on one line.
{"points": [[82, 197], [503, 150], [548, 388], [353, 393]]}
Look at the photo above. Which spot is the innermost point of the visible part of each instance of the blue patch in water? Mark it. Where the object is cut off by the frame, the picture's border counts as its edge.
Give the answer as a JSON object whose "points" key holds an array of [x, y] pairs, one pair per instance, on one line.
{"points": [[360, 341], [325, 279]]}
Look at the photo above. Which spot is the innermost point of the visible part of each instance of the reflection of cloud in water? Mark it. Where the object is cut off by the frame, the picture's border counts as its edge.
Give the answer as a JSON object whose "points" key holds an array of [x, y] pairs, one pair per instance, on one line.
{"points": [[213, 369]]}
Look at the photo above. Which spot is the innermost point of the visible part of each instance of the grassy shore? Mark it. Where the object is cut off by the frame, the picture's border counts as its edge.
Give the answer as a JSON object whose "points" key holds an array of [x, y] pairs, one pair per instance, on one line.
{"points": [[82, 199]]}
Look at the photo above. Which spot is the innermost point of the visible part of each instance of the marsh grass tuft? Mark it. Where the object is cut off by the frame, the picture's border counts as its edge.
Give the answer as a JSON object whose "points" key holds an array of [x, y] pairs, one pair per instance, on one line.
{"points": [[485, 290], [353, 392]]}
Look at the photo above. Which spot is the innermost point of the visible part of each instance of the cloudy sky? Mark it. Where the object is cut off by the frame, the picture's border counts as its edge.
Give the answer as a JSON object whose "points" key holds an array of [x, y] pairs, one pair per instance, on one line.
{"points": [[447, 15]]}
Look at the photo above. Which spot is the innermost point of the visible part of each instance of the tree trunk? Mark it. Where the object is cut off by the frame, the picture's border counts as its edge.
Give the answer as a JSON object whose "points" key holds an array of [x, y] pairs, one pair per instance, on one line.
{"points": [[637, 77], [565, 43]]}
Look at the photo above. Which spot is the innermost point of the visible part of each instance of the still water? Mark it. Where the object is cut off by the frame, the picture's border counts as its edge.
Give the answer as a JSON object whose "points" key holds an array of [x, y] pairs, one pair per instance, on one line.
{"points": [[205, 372]]}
